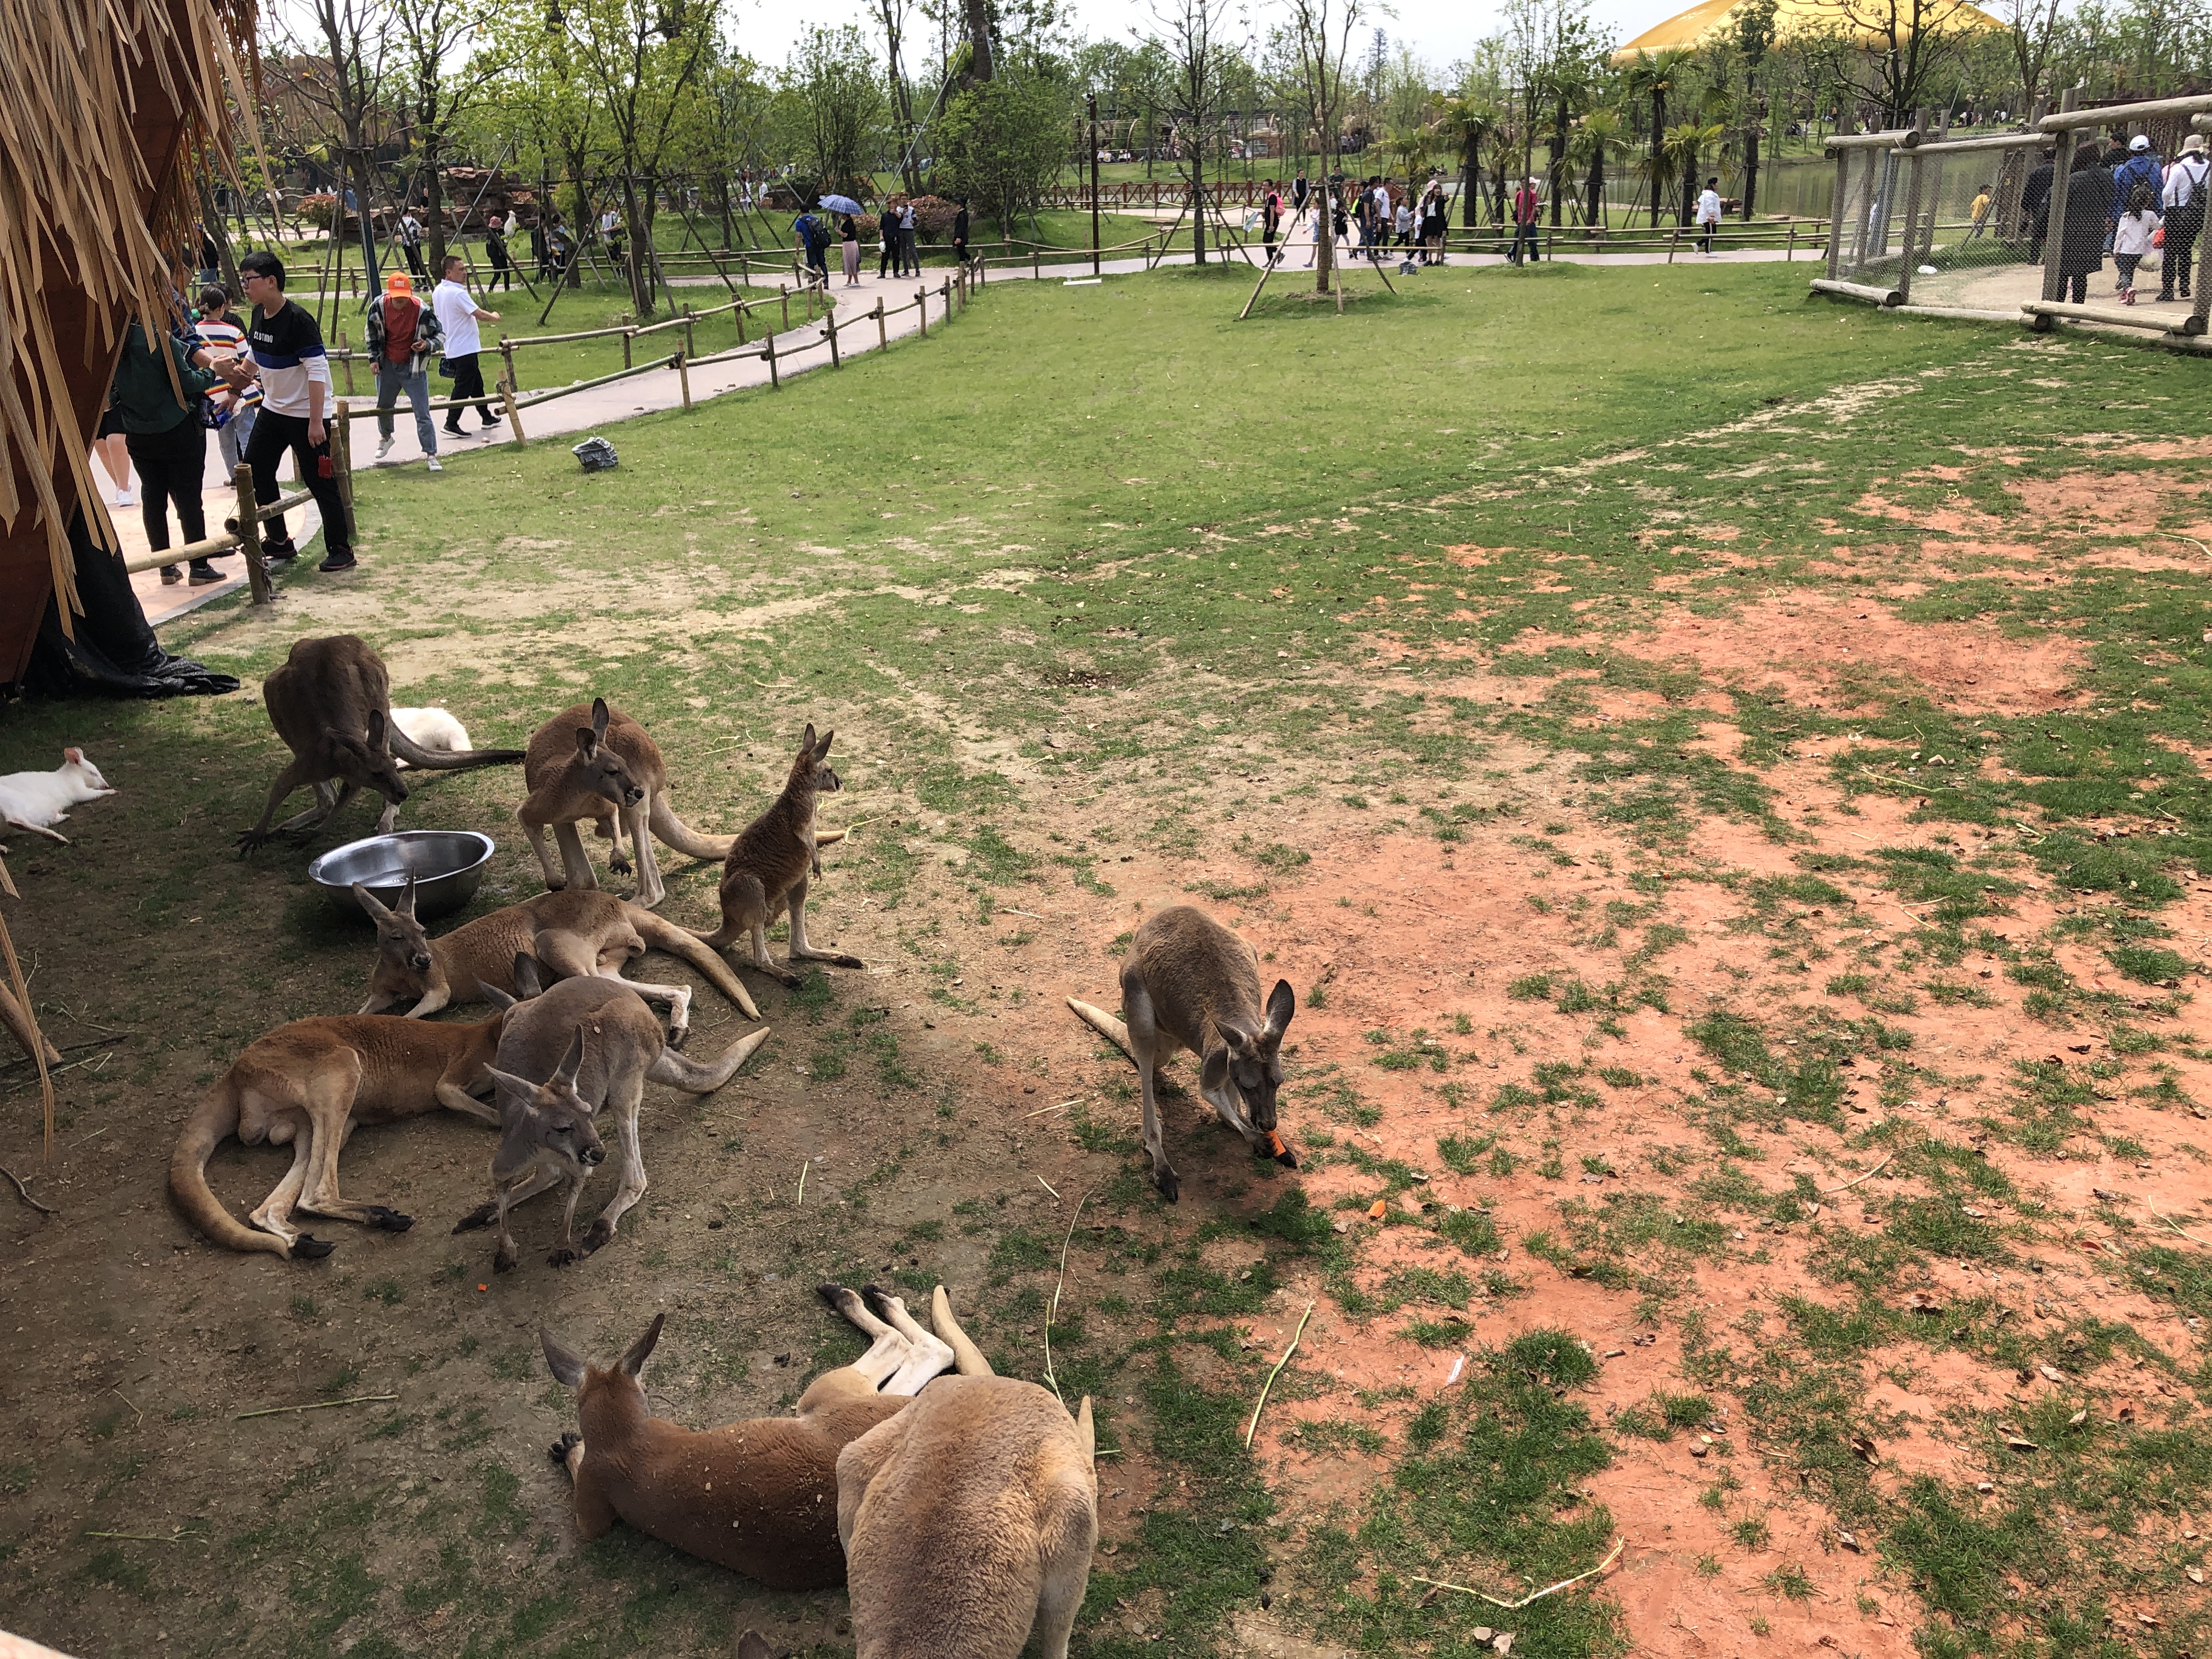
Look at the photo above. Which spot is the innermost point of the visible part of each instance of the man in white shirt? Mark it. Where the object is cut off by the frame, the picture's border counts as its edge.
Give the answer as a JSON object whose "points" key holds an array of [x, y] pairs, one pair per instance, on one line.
{"points": [[1709, 215], [458, 316], [2188, 192]]}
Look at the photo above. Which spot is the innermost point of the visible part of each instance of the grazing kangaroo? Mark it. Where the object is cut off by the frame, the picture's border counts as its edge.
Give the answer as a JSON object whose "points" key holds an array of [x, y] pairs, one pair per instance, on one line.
{"points": [[623, 1051], [759, 1497], [331, 703], [767, 869], [969, 1520], [571, 935], [310, 1083], [610, 773], [1188, 982]]}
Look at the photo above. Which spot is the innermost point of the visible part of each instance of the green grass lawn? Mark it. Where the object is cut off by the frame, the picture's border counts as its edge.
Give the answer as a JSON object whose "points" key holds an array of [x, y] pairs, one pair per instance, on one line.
{"points": [[1179, 544]]}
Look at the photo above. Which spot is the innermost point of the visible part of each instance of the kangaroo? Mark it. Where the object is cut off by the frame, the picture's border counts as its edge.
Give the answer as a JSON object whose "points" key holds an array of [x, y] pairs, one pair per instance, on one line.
{"points": [[767, 869], [969, 1520], [36, 801], [609, 772], [310, 1083], [331, 703], [623, 1051], [434, 728], [1188, 982], [758, 1497], [570, 934]]}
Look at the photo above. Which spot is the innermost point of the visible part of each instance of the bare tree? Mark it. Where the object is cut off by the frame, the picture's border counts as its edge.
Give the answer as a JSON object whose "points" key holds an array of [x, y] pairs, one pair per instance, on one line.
{"points": [[2030, 27], [346, 52], [893, 14], [1321, 33], [441, 86], [1890, 54], [1201, 57]]}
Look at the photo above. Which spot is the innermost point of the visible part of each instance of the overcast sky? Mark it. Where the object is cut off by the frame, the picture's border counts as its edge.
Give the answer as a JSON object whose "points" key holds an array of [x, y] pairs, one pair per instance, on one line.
{"points": [[1442, 31]]}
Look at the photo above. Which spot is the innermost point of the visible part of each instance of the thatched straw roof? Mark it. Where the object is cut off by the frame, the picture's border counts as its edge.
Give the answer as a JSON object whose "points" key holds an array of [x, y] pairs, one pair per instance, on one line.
{"points": [[106, 108]]}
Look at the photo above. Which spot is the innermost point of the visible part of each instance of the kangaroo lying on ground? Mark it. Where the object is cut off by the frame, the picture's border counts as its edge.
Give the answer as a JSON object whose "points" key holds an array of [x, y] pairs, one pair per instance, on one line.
{"points": [[767, 869], [759, 1497], [434, 728], [608, 772], [331, 703], [36, 801], [1188, 982], [969, 1520], [570, 935], [540, 1093], [310, 1083]]}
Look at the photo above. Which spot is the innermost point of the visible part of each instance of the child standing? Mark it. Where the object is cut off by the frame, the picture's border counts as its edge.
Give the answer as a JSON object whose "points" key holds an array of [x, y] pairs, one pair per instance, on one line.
{"points": [[2134, 235]]}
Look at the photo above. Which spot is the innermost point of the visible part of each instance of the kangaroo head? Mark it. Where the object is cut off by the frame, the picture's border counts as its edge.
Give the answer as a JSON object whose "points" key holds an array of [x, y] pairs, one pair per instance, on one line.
{"points": [[1255, 1059], [810, 769], [597, 768], [367, 761], [401, 942], [74, 762], [537, 1118], [571, 1370]]}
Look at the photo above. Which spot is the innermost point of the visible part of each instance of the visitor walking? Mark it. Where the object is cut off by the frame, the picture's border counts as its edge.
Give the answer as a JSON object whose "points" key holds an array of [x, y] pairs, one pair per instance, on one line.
{"points": [[401, 335], [2135, 236], [2184, 200], [232, 408], [849, 244], [909, 242], [1528, 205], [887, 261], [1433, 226], [458, 316], [1709, 215], [1979, 213], [2089, 213], [411, 240], [960, 233], [2035, 205], [166, 440], [1299, 191], [1271, 215], [1405, 221], [114, 455], [495, 251], [295, 389], [2143, 168]]}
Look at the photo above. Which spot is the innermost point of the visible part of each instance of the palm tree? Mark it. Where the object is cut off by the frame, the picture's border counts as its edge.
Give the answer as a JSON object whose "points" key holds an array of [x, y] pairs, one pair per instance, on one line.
{"points": [[1656, 74], [1601, 133], [1683, 147], [1469, 125]]}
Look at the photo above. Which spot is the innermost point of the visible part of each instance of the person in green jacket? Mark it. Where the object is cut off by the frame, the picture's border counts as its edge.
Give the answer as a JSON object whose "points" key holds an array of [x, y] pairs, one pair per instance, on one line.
{"points": [[167, 443]]}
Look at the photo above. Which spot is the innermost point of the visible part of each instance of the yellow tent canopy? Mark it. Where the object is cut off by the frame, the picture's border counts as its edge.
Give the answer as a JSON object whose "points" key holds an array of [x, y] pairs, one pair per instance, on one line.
{"points": [[1864, 19]]}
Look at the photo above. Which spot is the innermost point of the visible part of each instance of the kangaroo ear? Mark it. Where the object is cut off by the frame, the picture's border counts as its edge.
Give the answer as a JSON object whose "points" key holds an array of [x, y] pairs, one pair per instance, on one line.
{"points": [[377, 909], [572, 1061], [634, 1358], [588, 742], [73, 756], [494, 995], [568, 1367], [1238, 1041], [528, 982], [806, 738], [822, 746], [600, 714], [407, 898], [519, 1089], [1282, 1003], [379, 735]]}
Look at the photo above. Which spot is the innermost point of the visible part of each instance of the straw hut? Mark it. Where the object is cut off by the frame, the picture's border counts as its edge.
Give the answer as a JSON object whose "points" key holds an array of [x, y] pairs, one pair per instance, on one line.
{"points": [[106, 107]]}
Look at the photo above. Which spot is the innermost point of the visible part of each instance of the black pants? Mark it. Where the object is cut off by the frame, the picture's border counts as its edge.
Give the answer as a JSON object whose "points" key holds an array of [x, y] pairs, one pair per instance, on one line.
{"points": [[502, 276], [170, 467], [885, 259], [274, 436], [2182, 227], [2075, 289], [1525, 236], [468, 383], [414, 252]]}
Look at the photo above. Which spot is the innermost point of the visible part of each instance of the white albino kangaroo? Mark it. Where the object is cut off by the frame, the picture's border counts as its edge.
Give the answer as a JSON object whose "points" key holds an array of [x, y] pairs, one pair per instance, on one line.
{"points": [[37, 800], [1188, 982], [433, 729], [542, 1093]]}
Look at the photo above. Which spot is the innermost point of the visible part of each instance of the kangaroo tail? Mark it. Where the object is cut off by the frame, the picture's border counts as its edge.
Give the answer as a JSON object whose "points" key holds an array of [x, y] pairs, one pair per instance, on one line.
{"points": [[1104, 1023], [446, 760], [671, 832], [664, 935], [698, 1078], [212, 1121]]}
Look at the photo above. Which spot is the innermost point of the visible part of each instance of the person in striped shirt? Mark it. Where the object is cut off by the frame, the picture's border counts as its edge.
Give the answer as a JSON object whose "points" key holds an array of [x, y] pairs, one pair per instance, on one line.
{"points": [[220, 332], [294, 374]]}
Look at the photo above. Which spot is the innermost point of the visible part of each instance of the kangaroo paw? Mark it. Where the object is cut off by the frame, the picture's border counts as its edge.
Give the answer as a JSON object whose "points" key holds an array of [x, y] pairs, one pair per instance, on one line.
{"points": [[679, 1035], [1168, 1182], [387, 1221], [307, 1247], [503, 1260], [559, 1450], [619, 864], [480, 1217], [601, 1236], [565, 1256]]}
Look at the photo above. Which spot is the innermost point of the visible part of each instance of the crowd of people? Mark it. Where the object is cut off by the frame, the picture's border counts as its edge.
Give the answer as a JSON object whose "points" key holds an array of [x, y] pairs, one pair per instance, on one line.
{"points": [[2125, 201], [1368, 217]]}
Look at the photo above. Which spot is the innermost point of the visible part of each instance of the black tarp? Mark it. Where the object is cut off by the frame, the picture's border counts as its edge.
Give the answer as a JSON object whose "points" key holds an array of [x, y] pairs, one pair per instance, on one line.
{"points": [[115, 654]]}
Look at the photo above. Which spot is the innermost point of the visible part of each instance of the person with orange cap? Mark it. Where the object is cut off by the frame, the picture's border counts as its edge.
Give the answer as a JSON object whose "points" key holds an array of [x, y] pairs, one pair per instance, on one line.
{"points": [[402, 332]]}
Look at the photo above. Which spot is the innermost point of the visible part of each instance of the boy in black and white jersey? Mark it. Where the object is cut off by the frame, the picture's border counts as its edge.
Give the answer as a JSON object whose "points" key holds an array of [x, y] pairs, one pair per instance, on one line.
{"points": [[295, 389]]}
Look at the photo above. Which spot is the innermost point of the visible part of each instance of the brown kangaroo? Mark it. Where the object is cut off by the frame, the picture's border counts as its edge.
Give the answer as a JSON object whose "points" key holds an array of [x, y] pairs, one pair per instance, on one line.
{"points": [[331, 703], [624, 1050], [768, 867], [570, 934], [759, 1497], [1188, 982], [310, 1083], [597, 764]]}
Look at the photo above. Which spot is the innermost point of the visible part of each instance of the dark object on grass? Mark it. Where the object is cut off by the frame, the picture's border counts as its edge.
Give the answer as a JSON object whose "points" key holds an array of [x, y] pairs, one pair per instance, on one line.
{"points": [[115, 652], [597, 454]]}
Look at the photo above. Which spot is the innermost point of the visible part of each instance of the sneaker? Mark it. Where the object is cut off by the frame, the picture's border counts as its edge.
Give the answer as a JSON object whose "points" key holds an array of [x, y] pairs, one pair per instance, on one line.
{"points": [[452, 432], [126, 498], [204, 573], [172, 575], [432, 463], [336, 562], [384, 447], [488, 425], [279, 552]]}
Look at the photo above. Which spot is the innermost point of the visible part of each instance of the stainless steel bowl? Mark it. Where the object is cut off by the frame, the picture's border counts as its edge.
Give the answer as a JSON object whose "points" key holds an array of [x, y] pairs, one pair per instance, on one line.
{"points": [[448, 867]]}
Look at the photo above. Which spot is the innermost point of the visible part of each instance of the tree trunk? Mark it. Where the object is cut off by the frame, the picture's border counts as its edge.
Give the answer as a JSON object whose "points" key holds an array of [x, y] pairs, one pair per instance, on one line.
{"points": [[1324, 232], [1557, 144], [1198, 203], [722, 204], [219, 234], [1594, 209], [635, 255], [1658, 136], [1470, 182], [433, 203], [979, 38], [1751, 157]]}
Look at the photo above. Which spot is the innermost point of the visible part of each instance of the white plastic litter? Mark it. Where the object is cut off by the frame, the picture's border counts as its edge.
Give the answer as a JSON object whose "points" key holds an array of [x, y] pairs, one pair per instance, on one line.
{"points": [[1082, 281], [1928, 270]]}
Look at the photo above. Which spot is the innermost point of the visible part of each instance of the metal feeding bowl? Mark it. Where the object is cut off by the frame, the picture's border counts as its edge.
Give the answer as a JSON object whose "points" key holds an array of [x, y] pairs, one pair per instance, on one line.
{"points": [[447, 865]]}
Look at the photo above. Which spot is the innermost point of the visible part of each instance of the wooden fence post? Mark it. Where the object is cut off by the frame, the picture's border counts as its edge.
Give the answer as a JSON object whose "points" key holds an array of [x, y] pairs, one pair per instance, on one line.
{"points": [[1673, 243], [507, 352], [947, 293], [921, 310], [680, 363], [691, 347], [1036, 264], [770, 350], [1790, 253], [784, 289], [513, 409], [249, 536], [741, 322], [341, 463], [883, 336], [629, 334], [830, 315]]}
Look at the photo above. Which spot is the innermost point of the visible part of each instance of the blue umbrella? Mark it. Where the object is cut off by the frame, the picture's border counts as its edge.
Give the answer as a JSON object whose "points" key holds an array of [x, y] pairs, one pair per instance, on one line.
{"points": [[843, 205]]}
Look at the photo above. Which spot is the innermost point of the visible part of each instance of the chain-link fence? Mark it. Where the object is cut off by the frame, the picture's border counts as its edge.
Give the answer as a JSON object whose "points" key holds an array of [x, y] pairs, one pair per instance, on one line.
{"points": [[1980, 210], [1866, 246]]}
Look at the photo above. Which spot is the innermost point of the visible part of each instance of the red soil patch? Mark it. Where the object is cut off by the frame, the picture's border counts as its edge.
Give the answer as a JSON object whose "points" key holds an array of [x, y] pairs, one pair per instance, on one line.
{"points": [[2075, 501]]}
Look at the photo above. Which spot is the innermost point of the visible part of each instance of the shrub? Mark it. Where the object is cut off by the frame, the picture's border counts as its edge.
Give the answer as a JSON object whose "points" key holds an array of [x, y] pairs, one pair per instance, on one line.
{"points": [[932, 216]]}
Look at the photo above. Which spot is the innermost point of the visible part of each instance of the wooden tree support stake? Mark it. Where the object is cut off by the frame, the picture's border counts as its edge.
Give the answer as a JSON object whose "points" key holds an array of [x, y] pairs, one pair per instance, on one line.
{"points": [[683, 368], [249, 537]]}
